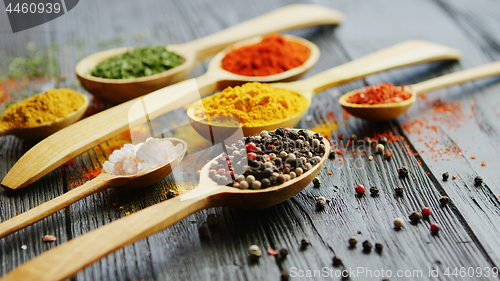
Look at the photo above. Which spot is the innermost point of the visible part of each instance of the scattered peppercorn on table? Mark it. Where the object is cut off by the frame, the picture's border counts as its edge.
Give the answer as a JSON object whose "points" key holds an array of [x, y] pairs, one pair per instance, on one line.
{"points": [[416, 198]]}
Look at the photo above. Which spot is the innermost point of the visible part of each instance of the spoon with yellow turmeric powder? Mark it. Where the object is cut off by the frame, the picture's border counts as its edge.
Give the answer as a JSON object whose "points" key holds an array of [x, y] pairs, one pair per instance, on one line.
{"points": [[43, 114], [256, 106]]}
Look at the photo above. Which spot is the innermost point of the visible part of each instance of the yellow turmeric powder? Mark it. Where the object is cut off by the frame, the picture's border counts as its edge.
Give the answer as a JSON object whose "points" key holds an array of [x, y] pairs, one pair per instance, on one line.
{"points": [[42, 108], [254, 104]]}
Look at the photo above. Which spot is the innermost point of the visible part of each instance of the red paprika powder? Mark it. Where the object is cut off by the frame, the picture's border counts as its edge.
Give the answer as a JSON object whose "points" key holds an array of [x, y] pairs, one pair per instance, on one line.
{"points": [[273, 55], [379, 94]]}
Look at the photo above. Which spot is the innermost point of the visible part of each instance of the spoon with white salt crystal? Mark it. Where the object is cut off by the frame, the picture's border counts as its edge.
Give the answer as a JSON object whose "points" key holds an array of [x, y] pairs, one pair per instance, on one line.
{"points": [[133, 166]]}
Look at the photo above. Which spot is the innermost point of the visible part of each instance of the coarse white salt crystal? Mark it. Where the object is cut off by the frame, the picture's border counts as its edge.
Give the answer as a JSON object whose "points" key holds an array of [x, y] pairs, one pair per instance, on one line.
{"points": [[135, 159]]}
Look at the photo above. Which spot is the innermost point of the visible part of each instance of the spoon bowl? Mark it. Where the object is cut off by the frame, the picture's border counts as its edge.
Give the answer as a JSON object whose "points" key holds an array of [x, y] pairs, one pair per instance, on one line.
{"points": [[389, 111], [46, 129], [101, 182]]}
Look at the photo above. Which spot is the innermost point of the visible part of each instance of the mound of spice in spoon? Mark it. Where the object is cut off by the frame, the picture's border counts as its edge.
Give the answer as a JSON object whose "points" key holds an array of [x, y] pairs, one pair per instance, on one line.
{"points": [[139, 62], [42, 108], [268, 159], [379, 94], [273, 55], [253, 104]]}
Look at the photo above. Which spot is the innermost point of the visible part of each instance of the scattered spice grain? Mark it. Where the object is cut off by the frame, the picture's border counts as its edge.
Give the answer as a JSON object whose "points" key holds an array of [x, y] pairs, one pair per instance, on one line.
{"points": [[380, 148], [367, 246], [398, 223], [255, 252], [444, 200], [379, 247], [399, 191], [446, 176], [283, 253], [415, 217], [374, 190], [403, 172], [352, 241], [49, 238], [435, 228], [360, 190], [320, 202], [304, 243], [426, 212], [336, 261], [478, 181], [316, 182]]}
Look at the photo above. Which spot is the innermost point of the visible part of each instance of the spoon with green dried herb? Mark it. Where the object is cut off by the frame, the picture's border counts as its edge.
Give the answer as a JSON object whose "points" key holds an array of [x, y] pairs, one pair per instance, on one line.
{"points": [[126, 76]]}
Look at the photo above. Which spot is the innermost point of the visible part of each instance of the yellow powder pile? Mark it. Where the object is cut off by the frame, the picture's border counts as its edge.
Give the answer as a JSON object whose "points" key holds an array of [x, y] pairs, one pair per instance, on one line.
{"points": [[254, 104], [42, 108]]}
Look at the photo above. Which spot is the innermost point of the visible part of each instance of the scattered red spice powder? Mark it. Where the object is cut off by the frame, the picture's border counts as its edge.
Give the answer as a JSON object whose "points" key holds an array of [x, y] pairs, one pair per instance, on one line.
{"points": [[330, 173], [273, 55], [454, 177], [379, 94], [92, 173], [473, 157], [483, 164], [272, 252]]}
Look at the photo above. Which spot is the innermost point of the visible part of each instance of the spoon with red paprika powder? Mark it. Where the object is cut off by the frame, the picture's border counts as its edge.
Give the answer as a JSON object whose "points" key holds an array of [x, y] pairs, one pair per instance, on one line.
{"points": [[384, 102]]}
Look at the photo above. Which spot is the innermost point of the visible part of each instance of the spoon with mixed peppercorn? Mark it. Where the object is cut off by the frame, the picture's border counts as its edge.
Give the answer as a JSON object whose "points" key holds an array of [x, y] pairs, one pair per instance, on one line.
{"points": [[384, 102], [144, 70], [403, 54], [274, 165]]}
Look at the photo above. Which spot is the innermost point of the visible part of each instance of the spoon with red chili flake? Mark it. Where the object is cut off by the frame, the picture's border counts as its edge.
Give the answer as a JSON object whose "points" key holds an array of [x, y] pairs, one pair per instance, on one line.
{"points": [[384, 102]]}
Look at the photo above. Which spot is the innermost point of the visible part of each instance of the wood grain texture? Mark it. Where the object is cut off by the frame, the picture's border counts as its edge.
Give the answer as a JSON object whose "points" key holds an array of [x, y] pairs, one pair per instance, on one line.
{"points": [[186, 251]]}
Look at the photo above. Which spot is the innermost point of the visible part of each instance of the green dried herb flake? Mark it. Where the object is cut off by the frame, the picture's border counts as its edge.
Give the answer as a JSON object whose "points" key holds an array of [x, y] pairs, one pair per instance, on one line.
{"points": [[140, 62]]}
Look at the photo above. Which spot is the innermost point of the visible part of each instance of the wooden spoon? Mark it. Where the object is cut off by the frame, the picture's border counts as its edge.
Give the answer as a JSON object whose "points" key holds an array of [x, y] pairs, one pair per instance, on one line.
{"points": [[67, 259], [121, 90], [48, 128], [101, 182], [66, 144], [407, 53], [389, 111]]}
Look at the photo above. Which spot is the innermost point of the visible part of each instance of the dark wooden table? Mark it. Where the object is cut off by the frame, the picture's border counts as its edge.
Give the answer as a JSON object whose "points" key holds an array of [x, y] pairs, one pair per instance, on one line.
{"points": [[451, 130]]}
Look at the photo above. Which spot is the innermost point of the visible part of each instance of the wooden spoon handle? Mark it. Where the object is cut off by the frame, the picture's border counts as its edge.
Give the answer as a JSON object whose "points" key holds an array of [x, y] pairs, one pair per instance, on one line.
{"points": [[67, 259], [286, 18], [73, 140], [406, 53], [44, 210], [458, 77]]}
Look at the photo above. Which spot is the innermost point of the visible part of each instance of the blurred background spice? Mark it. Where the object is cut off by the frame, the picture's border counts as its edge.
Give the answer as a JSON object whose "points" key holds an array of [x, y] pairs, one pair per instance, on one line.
{"points": [[273, 55], [139, 62]]}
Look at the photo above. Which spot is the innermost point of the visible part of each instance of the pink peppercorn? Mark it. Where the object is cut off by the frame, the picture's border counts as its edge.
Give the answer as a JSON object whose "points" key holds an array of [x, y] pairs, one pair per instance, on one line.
{"points": [[221, 171], [251, 156], [435, 228], [360, 189], [251, 147], [426, 211]]}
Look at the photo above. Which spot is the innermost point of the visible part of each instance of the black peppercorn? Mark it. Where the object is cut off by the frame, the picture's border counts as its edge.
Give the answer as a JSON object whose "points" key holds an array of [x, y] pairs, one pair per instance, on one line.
{"points": [[367, 246], [171, 193], [444, 200], [415, 217], [446, 176], [336, 261], [353, 241], [403, 172], [304, 243], [331, 155], [316, 182], [382, 140], [285, 276], [379, 247], [353, 137], [283, 253], [478, 181], [399, 191], [374, 190]]}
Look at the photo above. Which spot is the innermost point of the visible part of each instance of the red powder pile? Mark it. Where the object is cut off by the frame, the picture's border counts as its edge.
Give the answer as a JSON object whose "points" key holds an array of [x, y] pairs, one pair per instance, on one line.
{"points": [[379, 94], [273, 55]]}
